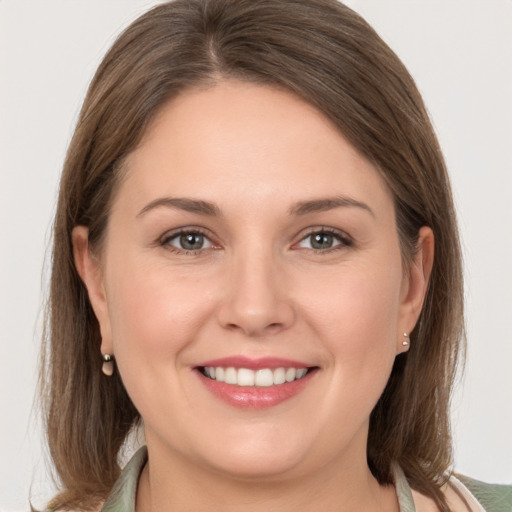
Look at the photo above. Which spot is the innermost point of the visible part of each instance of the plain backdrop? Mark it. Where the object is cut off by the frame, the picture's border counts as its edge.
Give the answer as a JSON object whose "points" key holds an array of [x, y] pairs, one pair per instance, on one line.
{"points": [[460, 53]]}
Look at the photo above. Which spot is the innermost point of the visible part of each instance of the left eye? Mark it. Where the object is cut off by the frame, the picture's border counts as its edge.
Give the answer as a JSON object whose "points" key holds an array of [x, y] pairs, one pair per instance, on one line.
{"points": [[322, 240], [190, 241]]}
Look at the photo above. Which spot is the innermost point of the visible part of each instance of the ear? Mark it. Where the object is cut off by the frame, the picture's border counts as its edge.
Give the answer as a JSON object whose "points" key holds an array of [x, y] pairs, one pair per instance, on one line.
{"points": [[89, 269], [415, 285]]}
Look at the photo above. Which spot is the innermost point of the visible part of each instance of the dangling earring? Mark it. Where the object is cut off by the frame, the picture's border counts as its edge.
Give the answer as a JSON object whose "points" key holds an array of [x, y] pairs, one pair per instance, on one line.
{"points": [[406, 342], [108, 365]]}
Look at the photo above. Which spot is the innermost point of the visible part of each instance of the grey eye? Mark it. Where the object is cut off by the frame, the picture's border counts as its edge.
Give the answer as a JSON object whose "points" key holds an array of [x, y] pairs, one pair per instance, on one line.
{"points": [[322, 240], [189, 241]]}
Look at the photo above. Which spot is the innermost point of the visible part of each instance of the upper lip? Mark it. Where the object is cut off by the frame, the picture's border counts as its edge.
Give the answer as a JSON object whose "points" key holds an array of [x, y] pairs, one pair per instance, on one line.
{"points": [[254, 363]]}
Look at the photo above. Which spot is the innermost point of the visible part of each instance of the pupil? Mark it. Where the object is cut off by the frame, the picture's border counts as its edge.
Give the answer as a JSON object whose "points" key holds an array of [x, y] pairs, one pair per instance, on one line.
{"points": [[191, 241], [322, 241]]}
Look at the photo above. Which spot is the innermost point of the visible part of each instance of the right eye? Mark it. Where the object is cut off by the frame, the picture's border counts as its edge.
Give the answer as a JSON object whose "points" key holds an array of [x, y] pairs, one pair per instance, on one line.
{"points": [[187, 241]]}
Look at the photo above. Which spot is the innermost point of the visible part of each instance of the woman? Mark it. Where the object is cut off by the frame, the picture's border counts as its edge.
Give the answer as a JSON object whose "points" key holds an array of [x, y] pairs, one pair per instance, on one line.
{"points": [[255, 240]]}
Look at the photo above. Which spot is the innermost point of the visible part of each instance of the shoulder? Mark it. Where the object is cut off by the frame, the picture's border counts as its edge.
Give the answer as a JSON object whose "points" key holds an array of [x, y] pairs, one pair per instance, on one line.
{"points": [[464, 494], [492, 497]]}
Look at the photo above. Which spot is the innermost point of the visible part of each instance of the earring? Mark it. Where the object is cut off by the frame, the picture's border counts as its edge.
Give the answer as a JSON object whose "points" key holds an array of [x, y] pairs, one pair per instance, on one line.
{"points": [[406, 343], [108, 365]]}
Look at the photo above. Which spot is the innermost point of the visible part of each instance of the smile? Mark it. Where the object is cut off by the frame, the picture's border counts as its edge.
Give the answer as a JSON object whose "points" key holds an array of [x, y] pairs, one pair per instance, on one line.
{"points": [[259, 383], [264, 377]]}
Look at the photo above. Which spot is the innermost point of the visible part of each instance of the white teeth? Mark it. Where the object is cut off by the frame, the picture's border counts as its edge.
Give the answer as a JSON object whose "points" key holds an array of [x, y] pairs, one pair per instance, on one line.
{"points": [[264, 377], [291, 373], [245, 377], [230, 376], [219, 374], [279, 376], [301, 372]]}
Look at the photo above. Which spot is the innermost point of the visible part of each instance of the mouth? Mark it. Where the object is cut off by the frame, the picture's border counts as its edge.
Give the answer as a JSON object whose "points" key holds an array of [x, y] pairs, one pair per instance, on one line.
{"points": [[261, 378], [255, 384]]}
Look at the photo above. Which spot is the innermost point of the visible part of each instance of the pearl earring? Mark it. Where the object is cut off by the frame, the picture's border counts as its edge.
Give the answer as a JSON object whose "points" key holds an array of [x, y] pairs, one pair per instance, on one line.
{"points": [[108, 365], [406, 343]]}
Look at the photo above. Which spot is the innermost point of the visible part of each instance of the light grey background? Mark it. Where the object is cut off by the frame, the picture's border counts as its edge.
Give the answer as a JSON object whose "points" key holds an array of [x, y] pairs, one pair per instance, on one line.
{"points": [[459, 51]]}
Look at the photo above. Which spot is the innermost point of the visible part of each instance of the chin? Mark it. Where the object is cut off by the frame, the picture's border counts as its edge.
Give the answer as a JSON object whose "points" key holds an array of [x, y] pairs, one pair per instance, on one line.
{"points": [[269, 466], [268, 452]]}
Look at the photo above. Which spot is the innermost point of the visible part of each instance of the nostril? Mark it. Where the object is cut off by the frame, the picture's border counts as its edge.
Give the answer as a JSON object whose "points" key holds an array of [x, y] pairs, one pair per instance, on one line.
{"points": [[253, 329], [233, 327], [255, 316]]}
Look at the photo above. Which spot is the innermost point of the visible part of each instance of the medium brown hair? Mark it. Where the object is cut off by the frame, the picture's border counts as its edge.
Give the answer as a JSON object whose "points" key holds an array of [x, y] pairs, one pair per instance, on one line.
{"points": [[328, 55]]}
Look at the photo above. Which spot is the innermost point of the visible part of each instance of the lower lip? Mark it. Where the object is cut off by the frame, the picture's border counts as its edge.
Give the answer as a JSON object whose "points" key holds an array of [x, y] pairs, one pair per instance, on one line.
{"points": [[252, 397]]}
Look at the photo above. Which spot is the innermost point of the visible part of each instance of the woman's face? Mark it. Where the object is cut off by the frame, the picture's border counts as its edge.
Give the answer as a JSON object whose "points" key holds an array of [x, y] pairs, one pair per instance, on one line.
{"points": [[248, 236]]}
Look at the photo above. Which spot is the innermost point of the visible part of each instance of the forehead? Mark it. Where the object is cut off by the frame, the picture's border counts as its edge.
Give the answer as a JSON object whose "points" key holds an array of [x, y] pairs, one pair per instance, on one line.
{"points": [[253, 139]]}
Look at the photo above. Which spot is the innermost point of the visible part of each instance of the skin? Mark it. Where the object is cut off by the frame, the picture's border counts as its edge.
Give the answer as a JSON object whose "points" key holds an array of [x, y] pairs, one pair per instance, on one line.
{"points": [[256, 288]]}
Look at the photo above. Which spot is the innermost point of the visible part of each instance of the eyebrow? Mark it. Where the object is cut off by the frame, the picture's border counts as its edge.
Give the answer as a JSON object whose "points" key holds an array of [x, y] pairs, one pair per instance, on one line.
{"points": [[328, 203], [189, 205], [210, 209]]}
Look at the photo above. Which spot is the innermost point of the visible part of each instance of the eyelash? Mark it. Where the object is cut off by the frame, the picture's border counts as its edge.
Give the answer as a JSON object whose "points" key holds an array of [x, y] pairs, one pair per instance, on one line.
{"points": [[343, 239], [168, 237]]}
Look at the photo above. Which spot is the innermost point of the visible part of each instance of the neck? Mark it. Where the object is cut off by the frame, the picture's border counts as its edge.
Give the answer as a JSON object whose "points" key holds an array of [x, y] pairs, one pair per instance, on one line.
{"points": [[171, 484]]}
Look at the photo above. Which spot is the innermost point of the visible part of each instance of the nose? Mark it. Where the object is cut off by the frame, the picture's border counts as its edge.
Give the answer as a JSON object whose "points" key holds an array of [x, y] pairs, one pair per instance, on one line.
{"points": [[257, 301]]}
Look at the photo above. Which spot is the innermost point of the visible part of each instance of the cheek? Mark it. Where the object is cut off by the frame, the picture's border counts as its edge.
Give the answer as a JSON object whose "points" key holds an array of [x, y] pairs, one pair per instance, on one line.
{"points": [[155, 316], [154, 313], [356, 316], [358, 328]]}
